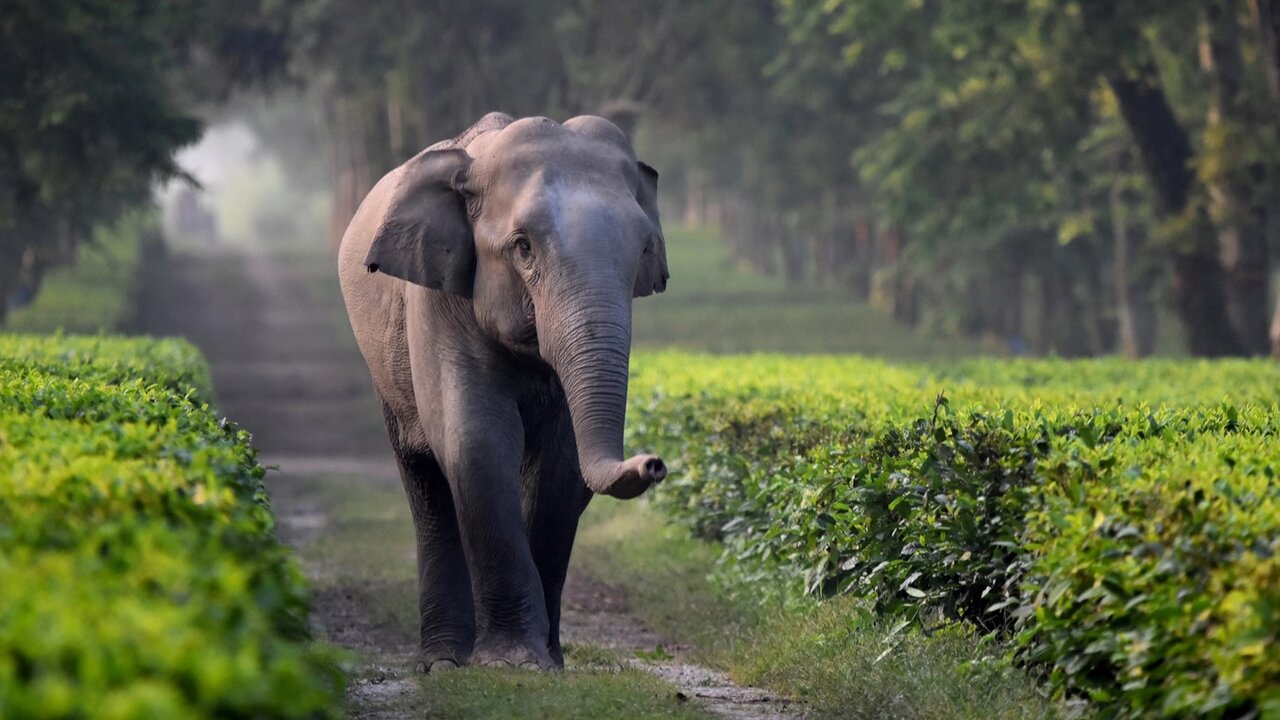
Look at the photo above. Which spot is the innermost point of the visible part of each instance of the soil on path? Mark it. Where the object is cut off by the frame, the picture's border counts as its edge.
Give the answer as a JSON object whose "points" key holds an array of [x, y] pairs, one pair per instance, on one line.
{"points": [[285, 367]]}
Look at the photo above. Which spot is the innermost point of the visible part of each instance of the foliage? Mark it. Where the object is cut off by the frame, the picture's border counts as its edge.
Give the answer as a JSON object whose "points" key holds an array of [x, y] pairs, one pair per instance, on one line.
{"points": [[1045, 174], [95, 97], [139, 572], [1119, 520], [1029, 149], [98, 291]]}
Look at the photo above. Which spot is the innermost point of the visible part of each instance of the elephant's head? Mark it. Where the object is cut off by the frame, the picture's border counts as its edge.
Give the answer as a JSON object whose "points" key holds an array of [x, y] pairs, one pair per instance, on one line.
{"points": [[550, 230]]}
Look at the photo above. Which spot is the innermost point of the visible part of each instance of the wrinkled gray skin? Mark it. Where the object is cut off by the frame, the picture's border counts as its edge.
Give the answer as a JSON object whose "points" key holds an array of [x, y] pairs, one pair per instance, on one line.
{"points": [[489, 282]]}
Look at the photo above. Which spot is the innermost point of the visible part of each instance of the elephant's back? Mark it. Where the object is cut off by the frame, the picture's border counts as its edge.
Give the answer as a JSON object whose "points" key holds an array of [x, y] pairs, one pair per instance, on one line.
{"points": [[377, 303]]}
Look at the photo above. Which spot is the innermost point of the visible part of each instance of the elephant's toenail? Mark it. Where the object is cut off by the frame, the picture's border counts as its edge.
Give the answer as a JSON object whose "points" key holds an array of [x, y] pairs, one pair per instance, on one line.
{"points": [[443, 665], [421, 668]]}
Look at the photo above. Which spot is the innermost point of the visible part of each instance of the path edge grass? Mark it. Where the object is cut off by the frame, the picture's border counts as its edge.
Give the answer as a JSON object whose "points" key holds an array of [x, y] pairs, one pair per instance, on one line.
{"points": [[836, 656]]}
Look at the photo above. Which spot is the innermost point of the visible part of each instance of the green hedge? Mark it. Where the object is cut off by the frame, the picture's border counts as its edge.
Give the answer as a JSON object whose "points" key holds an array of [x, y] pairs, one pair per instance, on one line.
{"points": [[139, 573], [1119, 522]]}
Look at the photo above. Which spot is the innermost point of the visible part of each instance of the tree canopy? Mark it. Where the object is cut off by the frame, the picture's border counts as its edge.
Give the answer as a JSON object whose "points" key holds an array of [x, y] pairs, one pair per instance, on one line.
{"points": [[1058, 174], [95, 98]]}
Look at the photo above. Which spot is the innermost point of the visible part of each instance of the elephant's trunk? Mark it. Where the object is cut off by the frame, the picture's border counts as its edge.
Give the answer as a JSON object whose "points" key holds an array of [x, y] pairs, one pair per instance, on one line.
{"points": [[588, 344]]}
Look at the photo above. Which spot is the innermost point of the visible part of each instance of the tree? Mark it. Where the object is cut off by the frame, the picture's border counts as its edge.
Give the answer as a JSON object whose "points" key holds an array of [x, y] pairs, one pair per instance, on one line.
{"points": [[994, 106], [391, 77], [93, 104], [1266, 13], [1235, 174], [969, 164]]}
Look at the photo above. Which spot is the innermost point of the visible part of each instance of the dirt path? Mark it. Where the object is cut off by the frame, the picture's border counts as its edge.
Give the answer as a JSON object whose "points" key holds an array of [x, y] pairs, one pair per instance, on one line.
{"points": [[285, 367]]}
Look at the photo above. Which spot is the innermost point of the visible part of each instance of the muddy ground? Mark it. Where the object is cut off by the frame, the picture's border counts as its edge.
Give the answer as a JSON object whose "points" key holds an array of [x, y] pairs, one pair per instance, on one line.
{"points": [[286, 368]]}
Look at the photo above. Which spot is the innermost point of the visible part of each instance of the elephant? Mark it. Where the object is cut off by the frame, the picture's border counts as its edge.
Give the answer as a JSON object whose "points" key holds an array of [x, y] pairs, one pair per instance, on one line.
{"points": [[489, 282]]}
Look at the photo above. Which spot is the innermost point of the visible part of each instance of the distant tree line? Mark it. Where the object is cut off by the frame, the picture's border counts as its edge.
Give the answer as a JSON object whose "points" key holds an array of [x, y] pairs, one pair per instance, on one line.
{"points": [[1053, 173], [95, 98], [1056, 173], [1084, 160]]}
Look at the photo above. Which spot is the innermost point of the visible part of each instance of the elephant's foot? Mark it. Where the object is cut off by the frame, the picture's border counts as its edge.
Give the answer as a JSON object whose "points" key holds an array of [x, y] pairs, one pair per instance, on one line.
{"points": [[513, 654], [503, 663], [437, 665], [438, 657]]}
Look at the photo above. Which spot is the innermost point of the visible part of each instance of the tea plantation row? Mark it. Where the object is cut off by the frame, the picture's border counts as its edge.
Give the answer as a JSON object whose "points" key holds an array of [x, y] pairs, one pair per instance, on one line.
{"points": [[139, 575], [1117, 523]]}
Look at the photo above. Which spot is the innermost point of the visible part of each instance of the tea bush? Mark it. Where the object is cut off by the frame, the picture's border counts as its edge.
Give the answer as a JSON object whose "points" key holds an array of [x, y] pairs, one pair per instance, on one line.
{"points": [[139, 574], [1119, 522]]}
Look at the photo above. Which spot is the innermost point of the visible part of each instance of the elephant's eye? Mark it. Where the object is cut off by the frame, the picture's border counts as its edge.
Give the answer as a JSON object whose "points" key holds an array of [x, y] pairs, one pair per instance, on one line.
{"points": [[524, 252]]}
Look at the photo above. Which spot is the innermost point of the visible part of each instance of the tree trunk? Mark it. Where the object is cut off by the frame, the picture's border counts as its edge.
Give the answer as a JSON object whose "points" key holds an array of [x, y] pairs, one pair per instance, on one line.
{"points": [[350, 172], [1275, 332], [1199, 283], [10, 269], [5, 291], [1135, 312], [694, 200], [1267, 15], [1064, 331], [1240, 214], [1198, 279], [1045, 326], [793, 250], [1101, 325], [863, 262]]}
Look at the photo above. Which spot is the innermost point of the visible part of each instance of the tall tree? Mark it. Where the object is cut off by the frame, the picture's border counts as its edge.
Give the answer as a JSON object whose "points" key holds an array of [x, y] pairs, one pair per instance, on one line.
{"points": [[95, 97], [995, 110], [952, 161], [1199, 282], [1266, 13], [1235, 177]]}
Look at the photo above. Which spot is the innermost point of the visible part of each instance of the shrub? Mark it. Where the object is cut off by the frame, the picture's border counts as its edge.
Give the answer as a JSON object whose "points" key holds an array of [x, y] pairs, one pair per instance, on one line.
{"points": [[139, 574], [1117, 520]]}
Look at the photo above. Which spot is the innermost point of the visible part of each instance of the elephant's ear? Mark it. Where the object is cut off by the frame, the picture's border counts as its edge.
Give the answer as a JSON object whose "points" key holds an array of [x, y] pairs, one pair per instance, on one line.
{"points": [[425, 236], [653, 264]]}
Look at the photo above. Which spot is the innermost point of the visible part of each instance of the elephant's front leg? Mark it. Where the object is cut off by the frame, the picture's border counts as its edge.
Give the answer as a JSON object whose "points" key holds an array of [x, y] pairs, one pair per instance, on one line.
{"points": [[445, 610], [481, 455], [554, 498]]}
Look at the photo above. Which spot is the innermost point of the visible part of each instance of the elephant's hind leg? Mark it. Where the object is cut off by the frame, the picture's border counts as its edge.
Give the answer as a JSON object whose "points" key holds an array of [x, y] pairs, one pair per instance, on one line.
{"points": [[445, 607]]}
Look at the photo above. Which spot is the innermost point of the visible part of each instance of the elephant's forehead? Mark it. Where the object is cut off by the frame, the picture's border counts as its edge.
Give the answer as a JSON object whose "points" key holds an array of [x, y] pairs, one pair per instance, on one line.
{"points": [[541, 148]]}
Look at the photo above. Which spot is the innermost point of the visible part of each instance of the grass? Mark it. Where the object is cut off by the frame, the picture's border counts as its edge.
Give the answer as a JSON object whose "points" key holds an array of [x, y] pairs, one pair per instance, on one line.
{"points": [[714, 304], [835, 655], [587, 691], [365, 553], [665, 574]]}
